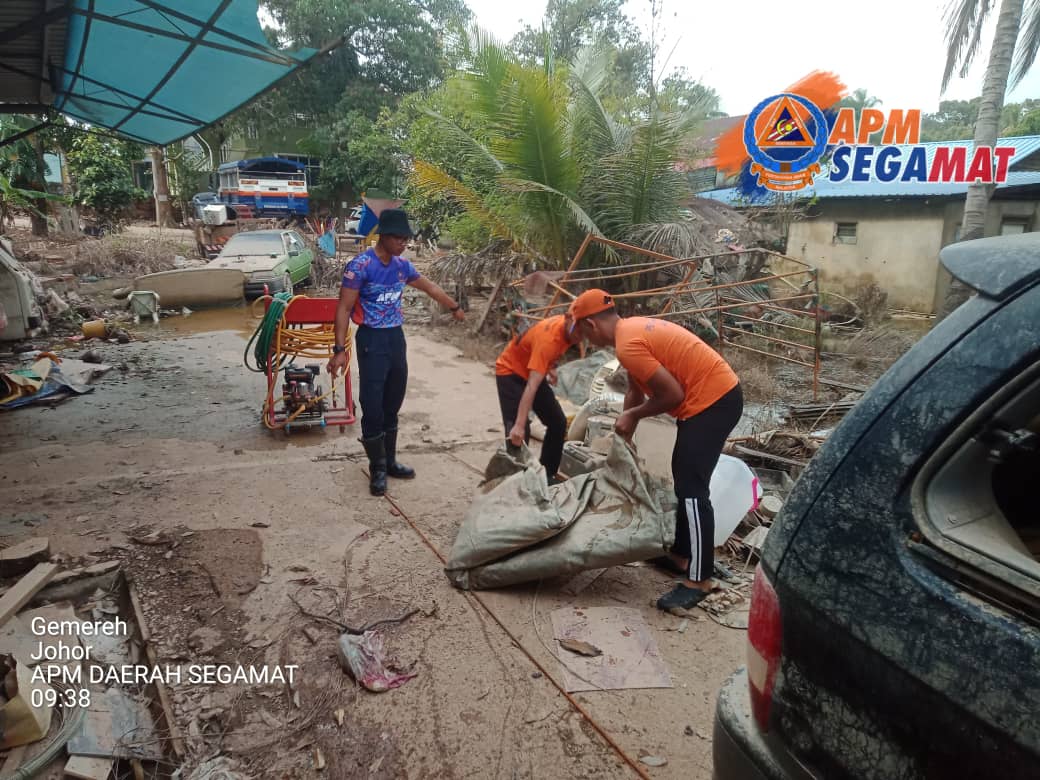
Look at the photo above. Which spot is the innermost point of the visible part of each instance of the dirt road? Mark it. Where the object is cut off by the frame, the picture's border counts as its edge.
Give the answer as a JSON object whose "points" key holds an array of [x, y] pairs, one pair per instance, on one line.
{"points": [[170, 441]]}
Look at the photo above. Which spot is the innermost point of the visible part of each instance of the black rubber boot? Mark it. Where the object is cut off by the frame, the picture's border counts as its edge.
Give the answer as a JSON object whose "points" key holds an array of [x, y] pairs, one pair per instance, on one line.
{"points": [[375, 448], [393, 468]]}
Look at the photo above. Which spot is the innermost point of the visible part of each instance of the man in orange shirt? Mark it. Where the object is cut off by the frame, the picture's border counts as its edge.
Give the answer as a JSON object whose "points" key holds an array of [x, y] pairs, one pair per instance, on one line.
{"points": [[520, 373], [672, 371]]}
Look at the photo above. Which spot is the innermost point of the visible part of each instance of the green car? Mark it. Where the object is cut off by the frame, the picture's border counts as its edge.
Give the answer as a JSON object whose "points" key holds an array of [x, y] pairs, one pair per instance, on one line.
{"points": [[278, 259]]}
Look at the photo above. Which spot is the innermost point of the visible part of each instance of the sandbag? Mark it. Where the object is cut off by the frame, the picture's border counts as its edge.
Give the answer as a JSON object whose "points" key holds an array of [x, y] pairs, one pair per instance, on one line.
{"points": [[523, 530]]}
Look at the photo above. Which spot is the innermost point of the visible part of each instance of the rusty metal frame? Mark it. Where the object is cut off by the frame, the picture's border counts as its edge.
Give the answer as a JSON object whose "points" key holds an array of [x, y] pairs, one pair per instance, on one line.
{"points": [[726, 304]]}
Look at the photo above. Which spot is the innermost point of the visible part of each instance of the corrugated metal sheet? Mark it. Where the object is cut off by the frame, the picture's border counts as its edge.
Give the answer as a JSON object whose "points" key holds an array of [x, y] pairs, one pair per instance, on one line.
{"points": [[1024, 146], [24, 79]]}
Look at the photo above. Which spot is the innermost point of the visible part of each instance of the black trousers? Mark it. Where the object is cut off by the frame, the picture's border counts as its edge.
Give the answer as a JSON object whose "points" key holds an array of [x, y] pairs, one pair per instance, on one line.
{"points": [[382, 357], [545, 407], [698, 444]]}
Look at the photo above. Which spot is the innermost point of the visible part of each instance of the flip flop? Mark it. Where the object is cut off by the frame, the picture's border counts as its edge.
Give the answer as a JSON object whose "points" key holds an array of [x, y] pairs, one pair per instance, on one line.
{"points": [[681, 597]]}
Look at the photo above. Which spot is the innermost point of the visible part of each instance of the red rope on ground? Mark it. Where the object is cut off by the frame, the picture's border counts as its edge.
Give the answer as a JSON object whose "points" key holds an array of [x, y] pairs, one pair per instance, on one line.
{"points": [[573, 702]]}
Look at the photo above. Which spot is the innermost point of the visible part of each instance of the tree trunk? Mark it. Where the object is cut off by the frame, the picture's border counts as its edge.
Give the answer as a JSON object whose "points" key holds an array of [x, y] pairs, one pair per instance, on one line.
{"points": [[987, 129], [38, 215], [163, 212]]}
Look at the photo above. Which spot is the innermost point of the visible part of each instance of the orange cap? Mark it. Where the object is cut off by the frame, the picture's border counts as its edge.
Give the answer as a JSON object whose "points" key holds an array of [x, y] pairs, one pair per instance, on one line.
{"points": [[589, 303]]}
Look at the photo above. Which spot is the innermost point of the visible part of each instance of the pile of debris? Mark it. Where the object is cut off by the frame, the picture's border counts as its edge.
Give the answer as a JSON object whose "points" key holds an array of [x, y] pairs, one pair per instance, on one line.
{"points": [[64, 636]]}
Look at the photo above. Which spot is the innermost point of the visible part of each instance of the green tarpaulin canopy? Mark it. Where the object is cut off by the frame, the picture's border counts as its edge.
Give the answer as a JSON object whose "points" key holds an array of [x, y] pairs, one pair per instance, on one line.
{"points": [[153, 70]]}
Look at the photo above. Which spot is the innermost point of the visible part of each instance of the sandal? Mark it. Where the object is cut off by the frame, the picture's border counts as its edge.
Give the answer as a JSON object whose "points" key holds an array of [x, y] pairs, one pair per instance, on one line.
{"points": [[682, 597]]}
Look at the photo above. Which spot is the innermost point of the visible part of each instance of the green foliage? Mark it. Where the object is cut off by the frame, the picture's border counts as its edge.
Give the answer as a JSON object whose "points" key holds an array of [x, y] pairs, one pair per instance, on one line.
{"points": [[100, 169], [571, 26], [531, 153], [955, 120], [19, 161], [965, 24], [392, 48]]}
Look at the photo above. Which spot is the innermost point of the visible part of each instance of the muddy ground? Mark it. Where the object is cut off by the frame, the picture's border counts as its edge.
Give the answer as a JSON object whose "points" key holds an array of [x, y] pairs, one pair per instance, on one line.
{"points": [[170, 441]]}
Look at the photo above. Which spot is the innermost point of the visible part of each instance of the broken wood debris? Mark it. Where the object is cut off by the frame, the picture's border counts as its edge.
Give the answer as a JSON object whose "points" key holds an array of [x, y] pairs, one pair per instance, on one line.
{"points": [[88, 767], [579, 647], [27, 587], [20, 558]]}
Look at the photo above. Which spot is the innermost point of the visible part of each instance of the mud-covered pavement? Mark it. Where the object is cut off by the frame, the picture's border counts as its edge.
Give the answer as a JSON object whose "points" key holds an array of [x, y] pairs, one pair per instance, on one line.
{"points": [[257, 525]]}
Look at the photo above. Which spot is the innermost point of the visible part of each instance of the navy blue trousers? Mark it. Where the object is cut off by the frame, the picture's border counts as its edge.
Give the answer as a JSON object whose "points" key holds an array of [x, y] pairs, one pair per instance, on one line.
{"points": [[382, 357]]}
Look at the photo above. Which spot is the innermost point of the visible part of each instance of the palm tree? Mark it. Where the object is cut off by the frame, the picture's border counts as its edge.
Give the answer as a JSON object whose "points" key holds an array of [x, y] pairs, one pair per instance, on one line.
{"points": [[965, 21], [555, 163], [860, 99]]}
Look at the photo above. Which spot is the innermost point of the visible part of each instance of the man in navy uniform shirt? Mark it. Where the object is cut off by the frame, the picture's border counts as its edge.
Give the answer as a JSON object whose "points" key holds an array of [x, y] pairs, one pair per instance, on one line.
{"points": [[371, 297]]}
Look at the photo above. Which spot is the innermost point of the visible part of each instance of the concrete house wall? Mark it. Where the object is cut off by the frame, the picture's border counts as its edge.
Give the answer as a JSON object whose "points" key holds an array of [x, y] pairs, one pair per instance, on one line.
{"points": [[896, 245]]}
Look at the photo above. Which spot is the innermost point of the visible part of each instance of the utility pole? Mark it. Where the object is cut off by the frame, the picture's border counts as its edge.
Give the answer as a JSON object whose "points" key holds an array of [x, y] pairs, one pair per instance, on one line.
{"points": [[161, 185]]}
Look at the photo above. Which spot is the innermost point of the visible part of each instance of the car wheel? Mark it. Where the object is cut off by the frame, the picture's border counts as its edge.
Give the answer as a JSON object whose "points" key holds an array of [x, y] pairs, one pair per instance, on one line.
{"points": [[287, 285]]}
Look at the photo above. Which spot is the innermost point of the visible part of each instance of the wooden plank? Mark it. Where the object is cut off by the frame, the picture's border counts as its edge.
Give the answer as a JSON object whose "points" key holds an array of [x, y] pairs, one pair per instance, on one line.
{"points": [[496, 290], [176, 738], [19, 558], [767, 456], [70, 575], [843, 385], [27, 587], [88, 767]]}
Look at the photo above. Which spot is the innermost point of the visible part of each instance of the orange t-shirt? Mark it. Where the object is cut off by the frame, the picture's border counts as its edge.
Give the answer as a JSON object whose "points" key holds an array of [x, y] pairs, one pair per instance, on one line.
{"points": [[541, 346], [643, 345]]}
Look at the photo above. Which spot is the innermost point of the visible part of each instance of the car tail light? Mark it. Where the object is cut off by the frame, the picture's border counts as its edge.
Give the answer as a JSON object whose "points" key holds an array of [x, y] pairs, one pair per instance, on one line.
{"points": [[765, 630]]}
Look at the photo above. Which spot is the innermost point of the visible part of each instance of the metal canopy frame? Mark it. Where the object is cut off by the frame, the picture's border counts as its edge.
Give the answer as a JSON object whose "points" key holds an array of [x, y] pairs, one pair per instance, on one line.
{"points": [[52, 75]]}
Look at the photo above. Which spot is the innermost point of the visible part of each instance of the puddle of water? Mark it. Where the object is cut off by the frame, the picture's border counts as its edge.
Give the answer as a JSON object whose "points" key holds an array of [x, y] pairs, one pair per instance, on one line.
{"points": [[237, 319], [242, 319]]}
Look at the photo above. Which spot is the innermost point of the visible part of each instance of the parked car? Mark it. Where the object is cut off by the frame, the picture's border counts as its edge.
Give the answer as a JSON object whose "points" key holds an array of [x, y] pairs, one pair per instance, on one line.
{"points": [[895, 615], [279, 259]]}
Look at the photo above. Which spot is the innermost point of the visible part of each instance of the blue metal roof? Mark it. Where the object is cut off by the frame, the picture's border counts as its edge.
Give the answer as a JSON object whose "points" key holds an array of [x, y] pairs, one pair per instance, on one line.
{"points": [[157, 70], [823, 187], [258, 163]]}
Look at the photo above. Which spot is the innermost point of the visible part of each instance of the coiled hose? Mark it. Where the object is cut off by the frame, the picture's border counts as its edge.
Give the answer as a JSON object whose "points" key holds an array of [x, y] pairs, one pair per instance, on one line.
{"points": [[266, 333]]}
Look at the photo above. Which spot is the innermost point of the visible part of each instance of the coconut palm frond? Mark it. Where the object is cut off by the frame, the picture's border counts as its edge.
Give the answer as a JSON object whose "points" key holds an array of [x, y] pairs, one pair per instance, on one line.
{"points": [[473, 149], [583, 220], [594, 132], [1028, 43], [964, 22], [531, 142], [431, 180], [497, 261], [488, 71], [639, 183]]}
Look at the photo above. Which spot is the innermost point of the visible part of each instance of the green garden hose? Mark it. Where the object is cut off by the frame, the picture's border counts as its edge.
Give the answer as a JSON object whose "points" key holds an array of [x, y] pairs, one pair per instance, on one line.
{"points": [[264, 335]]}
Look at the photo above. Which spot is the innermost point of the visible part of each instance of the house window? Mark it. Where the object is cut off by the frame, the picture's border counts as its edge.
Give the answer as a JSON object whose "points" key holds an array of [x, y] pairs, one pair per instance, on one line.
{"points": [[1013, 226], [845, 232]]}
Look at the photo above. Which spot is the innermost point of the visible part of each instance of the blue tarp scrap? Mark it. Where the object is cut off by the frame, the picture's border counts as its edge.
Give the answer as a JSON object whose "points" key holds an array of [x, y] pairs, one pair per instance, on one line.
{"points": [[56, 387]]}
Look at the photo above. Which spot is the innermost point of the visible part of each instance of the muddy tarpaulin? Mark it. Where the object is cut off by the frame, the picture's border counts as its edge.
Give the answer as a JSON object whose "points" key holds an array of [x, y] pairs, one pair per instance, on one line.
{"points": [[523, 530]]}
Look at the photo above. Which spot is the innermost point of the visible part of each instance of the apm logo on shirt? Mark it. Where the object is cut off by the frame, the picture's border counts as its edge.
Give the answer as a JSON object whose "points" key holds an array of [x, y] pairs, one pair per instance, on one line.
{"points": [[390, 296]]}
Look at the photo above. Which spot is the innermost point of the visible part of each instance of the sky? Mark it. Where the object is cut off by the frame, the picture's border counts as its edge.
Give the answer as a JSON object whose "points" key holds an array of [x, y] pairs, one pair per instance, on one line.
{"points": [[747, 50]]}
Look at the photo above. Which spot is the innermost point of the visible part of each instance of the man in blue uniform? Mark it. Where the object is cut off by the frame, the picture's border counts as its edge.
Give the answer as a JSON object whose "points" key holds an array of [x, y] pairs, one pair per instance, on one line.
{"points": [[371, 297]]}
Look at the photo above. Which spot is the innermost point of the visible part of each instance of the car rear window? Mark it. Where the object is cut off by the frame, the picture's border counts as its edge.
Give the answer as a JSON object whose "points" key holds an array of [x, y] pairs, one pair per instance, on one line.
{"points": [[259, 244], [980, 503]]}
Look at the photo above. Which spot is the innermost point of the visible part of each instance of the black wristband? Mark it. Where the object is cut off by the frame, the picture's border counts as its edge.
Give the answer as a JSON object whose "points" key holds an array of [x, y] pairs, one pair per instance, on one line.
{"points": [[336, 349], [457, 307]]}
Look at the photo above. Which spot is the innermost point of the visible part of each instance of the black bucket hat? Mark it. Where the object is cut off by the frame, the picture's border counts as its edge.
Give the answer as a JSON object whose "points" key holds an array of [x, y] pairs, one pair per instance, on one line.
{"points": [[394, 222]]}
